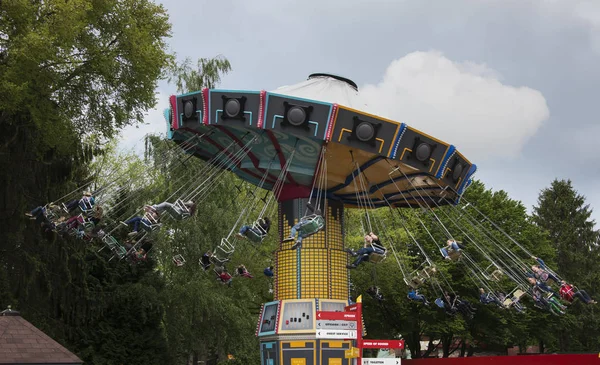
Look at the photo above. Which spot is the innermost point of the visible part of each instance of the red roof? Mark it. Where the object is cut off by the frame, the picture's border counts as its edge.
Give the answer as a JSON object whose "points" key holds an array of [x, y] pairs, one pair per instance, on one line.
{"points": [[22, 343]]}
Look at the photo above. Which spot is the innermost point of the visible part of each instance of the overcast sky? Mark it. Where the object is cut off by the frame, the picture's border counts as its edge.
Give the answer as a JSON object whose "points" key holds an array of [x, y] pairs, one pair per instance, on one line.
{"points": [[515, 85]]}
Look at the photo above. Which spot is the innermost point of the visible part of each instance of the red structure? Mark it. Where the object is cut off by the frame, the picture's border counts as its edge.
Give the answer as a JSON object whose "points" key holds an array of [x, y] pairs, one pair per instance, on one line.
{"points": [[563, 359], [367, 344]]}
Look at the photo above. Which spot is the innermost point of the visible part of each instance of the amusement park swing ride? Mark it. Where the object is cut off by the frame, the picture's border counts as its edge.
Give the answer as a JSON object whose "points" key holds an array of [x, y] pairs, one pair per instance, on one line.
{"points": [[332, 156], [314, 148]]}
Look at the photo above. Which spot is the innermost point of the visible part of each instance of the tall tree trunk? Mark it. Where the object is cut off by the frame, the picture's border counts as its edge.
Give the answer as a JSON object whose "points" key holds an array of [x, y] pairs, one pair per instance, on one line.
{"points": [[463, 349], [414, 344], [541, 344], [471, 351], [446, 342]]}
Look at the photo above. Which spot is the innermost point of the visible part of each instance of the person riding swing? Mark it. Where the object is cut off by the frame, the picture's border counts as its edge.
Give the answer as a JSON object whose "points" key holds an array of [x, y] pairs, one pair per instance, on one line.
{"points": [[372, 246], [307, 226], [258, 231]]}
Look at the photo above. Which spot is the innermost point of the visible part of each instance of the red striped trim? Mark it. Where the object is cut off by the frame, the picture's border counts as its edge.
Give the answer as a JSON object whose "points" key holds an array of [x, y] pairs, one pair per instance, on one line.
{"points": [[332, 119], [260, 316], [261, 108], [205, 107], [279, 307], [175, 116], [289, 192]]}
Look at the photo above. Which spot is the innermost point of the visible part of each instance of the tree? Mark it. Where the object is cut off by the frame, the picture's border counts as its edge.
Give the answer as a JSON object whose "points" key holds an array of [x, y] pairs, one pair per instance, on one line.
{"points": [[79, 67], [207, 74], [72, 73], [562, 212]]}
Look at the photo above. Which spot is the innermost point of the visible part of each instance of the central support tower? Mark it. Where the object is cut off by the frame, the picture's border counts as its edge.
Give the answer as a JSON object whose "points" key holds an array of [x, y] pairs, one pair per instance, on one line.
{"points": [[308, 279]]}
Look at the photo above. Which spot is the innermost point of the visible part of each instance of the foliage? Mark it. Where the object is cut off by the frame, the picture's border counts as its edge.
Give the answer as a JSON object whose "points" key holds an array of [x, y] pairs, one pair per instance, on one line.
{"points": [[207, 74], [79, 67], [563, 213], [492, 327]]}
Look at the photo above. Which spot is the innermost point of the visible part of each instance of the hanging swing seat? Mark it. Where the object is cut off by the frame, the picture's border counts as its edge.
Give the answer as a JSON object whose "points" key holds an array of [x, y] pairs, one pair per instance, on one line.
{"points": [[379, 253], [114, 246], [314, 223], [418, 277], [429, 271], [414, 282], [216, 260], [253, 234], [178, 260], [50, 211], [221, 252], [86, 206], [185, 211], [454, 254], [154, 225], [84, 225], [226, 247], [496, 275], [513, 298]]}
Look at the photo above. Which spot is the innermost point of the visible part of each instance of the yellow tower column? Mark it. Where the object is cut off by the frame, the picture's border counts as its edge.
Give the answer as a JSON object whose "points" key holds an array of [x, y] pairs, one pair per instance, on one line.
{"points": [[318, 269], [312, 278]]}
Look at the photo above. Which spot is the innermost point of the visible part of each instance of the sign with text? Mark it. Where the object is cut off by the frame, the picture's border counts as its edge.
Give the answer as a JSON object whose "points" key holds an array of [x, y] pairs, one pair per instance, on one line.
{"points": [[351, 308], [337, 334], [337, 316], [380, 361], [336, 325], [382, 344]]}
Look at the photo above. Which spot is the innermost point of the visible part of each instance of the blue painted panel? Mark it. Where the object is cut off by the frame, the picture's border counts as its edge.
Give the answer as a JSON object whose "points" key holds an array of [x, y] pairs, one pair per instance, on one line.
{"points": [[449, 154]]}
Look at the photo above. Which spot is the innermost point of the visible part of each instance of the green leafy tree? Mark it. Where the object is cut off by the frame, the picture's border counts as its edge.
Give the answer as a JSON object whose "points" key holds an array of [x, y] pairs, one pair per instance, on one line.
{"points": [[208, 73], [564, 214], [71, 74], [79, 66]]}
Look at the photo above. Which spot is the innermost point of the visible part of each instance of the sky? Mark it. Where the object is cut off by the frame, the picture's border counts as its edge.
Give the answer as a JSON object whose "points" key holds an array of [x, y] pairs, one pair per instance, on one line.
{"points": [[513, 84]]}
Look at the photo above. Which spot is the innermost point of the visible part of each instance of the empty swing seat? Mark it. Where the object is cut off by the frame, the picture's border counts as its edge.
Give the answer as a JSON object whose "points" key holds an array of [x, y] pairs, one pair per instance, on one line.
{"points": [[315, 224], [226, 247], [216, 260], [114, 246], [514, 298], [428, 271], [418, 277], [178, 260], [496, 275]]}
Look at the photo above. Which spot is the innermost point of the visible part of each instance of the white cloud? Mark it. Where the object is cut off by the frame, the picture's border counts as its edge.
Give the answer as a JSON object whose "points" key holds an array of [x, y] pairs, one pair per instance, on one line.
{"points": [[464, 104], [132, 137]]}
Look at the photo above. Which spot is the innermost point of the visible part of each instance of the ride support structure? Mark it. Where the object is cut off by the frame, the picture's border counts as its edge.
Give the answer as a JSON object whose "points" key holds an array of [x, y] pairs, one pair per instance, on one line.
{"points": [[309, 279]]}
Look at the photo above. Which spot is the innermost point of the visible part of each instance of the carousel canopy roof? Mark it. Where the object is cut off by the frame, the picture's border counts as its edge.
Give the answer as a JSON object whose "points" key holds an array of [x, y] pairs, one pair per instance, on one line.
{"points": [[256, 134]]}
